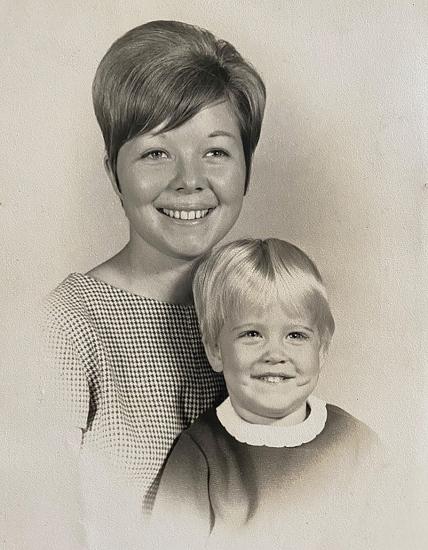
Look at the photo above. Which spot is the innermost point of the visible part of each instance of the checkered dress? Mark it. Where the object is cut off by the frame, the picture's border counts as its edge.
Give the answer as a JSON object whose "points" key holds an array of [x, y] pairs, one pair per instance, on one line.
{"points": [[132, 371]]}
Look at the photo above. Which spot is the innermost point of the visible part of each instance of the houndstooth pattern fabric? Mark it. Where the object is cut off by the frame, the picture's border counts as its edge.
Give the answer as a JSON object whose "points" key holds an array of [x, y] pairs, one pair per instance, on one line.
{"points": [[131, 372]]}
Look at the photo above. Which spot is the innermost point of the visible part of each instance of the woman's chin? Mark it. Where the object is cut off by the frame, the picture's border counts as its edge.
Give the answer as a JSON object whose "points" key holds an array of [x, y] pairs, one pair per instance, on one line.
{"points": [[187, 253]]}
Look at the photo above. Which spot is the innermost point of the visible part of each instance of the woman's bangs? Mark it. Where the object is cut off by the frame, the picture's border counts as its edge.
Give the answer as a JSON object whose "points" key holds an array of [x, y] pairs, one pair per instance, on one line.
{"points": [[173, 103]]}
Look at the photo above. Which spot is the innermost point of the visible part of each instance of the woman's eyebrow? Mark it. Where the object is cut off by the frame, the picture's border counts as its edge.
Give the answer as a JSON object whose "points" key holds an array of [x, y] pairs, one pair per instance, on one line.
{"points": [[217, 133], [152, 134]]}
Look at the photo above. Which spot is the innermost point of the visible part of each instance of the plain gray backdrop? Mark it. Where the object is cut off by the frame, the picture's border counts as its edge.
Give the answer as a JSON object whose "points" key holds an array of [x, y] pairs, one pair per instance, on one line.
{"points": [[340, 171]]}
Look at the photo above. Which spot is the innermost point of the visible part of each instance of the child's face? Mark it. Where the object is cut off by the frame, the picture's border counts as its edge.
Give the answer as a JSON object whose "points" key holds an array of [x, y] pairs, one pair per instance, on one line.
{"points": [[270, 361]]}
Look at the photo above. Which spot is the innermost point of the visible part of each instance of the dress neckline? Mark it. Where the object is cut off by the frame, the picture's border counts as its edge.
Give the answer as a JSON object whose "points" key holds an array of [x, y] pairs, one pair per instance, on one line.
{"points": [[119, 290], [274, 436]]}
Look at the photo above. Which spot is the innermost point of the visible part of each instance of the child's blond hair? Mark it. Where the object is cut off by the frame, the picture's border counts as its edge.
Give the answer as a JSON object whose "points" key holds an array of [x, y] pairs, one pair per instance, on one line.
{"points": [[256, 272]]}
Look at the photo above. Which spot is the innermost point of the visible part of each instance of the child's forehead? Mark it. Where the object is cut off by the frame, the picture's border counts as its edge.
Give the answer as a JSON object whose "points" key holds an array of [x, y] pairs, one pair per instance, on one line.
{"points": [[284, 309]]}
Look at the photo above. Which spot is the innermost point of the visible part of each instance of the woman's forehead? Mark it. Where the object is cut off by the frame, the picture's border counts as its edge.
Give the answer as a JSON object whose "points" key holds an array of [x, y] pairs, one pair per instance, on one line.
{"points": [[214, 118]]}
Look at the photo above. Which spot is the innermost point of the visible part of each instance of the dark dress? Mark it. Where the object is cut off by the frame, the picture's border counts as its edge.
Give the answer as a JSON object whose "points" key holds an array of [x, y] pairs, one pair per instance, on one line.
{"points": [[218, 492]]}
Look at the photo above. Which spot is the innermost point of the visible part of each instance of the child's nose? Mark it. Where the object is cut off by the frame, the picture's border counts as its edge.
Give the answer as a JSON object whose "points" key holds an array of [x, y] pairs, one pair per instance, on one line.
{"points": [[275, 354], [274, 359]]}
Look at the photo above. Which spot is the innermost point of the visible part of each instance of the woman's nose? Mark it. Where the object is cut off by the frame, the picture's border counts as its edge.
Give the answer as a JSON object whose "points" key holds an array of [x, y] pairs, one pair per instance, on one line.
{"points": [[189, 177]]}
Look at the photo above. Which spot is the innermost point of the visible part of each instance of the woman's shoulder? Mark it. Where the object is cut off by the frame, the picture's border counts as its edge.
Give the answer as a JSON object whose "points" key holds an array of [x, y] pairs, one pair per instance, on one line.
{"points": [[80, 292], [70, 285], [66, 305], [69, 294]]}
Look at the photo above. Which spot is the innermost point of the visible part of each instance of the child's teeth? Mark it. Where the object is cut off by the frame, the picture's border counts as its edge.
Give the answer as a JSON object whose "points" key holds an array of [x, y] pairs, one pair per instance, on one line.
{"points": [[272, 379]]}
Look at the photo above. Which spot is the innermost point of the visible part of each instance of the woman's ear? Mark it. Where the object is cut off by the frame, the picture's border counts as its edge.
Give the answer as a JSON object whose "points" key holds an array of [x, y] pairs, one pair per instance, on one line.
{"points": [[214, 357], [112, 176]]}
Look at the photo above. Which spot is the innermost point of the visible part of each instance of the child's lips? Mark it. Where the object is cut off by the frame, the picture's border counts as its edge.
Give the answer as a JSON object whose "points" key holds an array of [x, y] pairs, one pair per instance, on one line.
{"points": [[273, 378]]}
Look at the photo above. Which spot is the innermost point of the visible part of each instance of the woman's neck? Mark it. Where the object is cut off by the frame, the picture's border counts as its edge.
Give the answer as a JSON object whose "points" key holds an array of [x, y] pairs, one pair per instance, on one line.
{"points": [[149, 273]]}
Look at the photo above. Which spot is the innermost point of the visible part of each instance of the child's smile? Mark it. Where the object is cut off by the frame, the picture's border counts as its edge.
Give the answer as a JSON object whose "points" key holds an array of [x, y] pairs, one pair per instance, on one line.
{"points": [[272, 378]]}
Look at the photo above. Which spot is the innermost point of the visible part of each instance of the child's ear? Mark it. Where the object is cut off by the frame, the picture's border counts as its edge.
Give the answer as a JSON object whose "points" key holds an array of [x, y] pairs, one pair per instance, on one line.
{"points": [[323, 354], [112, 176], [214, 357]]}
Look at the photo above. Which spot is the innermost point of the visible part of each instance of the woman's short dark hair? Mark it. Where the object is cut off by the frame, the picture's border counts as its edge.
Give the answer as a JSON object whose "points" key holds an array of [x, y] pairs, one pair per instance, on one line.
{"points": [[166, 72]]}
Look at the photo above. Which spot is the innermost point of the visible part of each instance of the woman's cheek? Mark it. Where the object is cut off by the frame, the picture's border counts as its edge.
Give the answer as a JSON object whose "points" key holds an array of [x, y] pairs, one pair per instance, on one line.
{"points": [[230, 182]]}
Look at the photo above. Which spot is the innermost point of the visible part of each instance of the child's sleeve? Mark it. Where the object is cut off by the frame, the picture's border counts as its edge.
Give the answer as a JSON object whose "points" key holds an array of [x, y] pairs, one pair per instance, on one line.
{"points": [[181, 517]]}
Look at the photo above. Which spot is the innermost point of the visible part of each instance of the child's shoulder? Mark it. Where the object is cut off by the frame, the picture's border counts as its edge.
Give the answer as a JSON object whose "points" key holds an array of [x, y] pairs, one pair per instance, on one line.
{"points": [[343, 425], [206, 432], [204, 425], [341, 416]]}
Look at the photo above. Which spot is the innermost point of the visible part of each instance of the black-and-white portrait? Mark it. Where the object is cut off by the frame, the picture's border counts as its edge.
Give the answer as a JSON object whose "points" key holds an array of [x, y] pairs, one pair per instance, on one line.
{"points": [[214, 221]]}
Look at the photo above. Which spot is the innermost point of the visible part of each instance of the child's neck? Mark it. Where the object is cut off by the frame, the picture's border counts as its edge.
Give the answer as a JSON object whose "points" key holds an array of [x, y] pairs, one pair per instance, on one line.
{"points": [[296, 417]]}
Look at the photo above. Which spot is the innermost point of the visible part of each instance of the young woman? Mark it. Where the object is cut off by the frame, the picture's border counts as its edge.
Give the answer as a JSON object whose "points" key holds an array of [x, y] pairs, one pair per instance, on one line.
{"points": [[180, 113]]}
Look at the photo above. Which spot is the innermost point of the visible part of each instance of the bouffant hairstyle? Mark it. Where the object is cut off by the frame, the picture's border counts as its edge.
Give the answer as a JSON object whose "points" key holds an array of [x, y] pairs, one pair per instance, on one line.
{"points": [[165, 72]]}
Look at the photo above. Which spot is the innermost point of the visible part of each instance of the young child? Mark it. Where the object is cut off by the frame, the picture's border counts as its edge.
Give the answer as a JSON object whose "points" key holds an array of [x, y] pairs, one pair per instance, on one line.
{"points": [[273, 466]]}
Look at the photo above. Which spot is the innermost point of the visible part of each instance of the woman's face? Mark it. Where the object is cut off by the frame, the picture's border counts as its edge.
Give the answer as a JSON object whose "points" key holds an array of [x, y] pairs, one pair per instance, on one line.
{"points": [[182, 190]]}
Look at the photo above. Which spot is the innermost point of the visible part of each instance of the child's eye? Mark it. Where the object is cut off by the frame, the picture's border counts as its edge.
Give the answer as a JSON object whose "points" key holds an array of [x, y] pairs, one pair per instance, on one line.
{"points": [[155, 154], [297, 336], [250, 334], [217, 153]]}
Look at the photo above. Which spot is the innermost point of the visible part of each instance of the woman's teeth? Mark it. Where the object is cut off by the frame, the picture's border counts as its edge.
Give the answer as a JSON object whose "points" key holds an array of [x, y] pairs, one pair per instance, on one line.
{"points": [[185, 214]]}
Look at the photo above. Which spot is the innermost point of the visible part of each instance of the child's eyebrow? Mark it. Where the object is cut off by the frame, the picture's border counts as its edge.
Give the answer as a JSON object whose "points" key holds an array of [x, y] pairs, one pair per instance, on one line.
{"points": [[304, 327], [245, 326], [293, 326]]}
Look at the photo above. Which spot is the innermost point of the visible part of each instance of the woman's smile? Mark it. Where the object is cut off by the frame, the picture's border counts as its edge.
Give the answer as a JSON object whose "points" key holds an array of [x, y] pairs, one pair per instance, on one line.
{"points": [[187, 215]]}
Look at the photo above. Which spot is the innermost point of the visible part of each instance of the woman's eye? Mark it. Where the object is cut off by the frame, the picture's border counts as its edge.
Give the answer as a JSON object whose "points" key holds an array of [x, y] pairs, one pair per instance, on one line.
{"points": [[155, 155], [297, 336], [217, 153]]}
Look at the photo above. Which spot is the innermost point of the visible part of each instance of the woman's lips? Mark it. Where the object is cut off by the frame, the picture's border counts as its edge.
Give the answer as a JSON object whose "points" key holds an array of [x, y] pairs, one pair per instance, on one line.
{"points": [[193, 214]]}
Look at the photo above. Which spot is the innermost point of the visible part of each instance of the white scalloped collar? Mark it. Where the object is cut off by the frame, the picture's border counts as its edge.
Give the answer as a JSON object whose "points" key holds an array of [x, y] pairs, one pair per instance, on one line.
{"points": [[274, 436]]}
